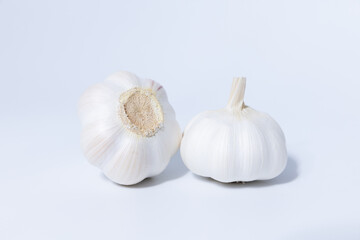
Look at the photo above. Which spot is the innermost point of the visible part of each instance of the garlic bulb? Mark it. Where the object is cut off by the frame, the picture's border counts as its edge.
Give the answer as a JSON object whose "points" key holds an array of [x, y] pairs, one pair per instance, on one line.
{"points": [[236, 143], [129, 128]]}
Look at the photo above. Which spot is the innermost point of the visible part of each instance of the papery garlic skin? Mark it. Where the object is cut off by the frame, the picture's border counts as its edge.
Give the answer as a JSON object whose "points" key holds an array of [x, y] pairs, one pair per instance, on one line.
{"points": [[236, 143], [129, 128]]}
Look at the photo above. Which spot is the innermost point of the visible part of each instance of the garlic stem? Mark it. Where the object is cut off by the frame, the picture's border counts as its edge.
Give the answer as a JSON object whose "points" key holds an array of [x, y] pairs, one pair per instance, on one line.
{"points": [[236, 100]]}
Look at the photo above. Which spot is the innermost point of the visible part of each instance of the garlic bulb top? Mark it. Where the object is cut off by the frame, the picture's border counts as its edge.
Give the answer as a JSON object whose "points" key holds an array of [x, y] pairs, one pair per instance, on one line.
{"points": [[129, 128], [236, 143]]}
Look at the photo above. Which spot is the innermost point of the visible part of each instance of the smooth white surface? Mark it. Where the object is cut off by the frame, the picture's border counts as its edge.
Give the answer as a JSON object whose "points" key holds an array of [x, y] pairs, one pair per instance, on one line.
{"points": [[301, 60]]}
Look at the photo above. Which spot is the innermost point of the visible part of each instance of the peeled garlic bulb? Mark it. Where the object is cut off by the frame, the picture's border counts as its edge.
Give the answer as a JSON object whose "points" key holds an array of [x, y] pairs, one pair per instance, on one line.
{"points": [[129, 128], [236, 143]]}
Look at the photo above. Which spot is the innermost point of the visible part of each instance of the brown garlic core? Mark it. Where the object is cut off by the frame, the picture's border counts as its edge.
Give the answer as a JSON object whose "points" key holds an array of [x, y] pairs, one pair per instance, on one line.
{"points": [[140, 112]]}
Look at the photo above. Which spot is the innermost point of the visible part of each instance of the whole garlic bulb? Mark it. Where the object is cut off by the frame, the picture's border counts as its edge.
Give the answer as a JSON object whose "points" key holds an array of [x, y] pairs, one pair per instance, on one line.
{"points": [[236, 143], [129, 128]]}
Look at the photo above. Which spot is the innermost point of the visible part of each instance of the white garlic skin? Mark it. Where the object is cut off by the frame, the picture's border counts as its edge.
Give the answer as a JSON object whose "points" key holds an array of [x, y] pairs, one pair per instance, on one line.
{"points": [[233, 144], [124, 156]]}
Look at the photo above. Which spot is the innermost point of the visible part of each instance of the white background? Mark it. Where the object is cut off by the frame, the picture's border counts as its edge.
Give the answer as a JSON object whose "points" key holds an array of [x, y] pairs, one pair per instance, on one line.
{"points": [[302, 63]]}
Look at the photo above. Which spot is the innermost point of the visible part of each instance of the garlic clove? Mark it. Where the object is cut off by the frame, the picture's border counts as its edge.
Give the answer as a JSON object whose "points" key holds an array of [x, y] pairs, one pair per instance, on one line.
{"points": [[236, 143], [129, 128], [124, 80]]}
